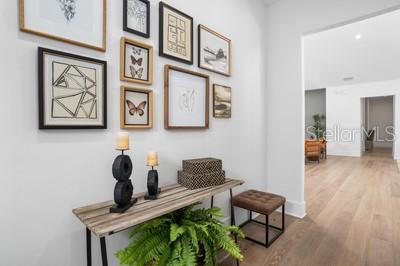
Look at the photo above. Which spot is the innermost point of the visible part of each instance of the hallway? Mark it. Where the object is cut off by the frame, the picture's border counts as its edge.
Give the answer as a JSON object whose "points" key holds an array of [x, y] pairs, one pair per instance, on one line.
{"points": [[353, 216]]}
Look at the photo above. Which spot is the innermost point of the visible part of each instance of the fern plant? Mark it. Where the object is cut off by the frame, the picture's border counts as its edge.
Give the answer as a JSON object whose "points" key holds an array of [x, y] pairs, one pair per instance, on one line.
{"points": [[186, 237]]}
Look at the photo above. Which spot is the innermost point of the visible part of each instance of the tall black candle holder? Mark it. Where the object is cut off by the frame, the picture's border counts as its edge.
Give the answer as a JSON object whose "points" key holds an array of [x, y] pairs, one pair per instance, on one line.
{"points": [[152, 185], [122, 169]]}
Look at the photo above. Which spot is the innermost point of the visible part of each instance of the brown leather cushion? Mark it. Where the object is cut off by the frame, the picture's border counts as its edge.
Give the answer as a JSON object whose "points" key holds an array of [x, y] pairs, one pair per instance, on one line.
{"points": [[260, 202]]}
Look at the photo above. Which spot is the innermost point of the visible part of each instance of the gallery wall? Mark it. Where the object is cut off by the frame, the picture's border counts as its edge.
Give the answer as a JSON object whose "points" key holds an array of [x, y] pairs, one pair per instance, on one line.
{"points": [[45, 174], [286, 22], [344, 115]]}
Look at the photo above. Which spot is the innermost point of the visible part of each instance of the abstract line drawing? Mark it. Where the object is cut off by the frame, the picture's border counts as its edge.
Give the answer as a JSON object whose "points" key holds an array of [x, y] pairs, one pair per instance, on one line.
{"points": [[177, 35], [69, 8], [137, 12], [187, 100], [74, 91]]}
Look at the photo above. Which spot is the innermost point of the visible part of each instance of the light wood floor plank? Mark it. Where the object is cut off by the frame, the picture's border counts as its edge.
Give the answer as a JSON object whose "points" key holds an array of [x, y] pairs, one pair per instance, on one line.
{"points": [[353, 217]]}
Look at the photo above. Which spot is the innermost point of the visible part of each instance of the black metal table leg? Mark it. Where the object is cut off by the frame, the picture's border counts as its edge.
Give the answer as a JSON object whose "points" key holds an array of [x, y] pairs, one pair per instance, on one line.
{"points": [[233, 222], [266, 231], [89, 247], [212, 202], [103, 251]]}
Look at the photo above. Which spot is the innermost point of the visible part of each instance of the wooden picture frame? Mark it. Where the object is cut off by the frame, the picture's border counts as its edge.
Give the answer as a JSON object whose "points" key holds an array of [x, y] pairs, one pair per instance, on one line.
{"points": [[135, 108], [138, 15], [222, 101], [74, 95], [212, 55], [170, 45], [176, 92], [140, 59], [60, 32]]}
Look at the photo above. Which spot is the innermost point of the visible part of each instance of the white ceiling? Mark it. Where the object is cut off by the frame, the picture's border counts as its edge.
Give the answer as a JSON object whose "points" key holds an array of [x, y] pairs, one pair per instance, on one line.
{"points": [[335, 54]]}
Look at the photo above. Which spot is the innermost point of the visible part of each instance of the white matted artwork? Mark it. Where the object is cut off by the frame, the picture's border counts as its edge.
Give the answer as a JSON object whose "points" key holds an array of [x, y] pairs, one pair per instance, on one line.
{"points": [[187, 99], [137, 17], [80, 22], [72, 91], [214, 51], [136, 108], [136, 61], [176, 34]]}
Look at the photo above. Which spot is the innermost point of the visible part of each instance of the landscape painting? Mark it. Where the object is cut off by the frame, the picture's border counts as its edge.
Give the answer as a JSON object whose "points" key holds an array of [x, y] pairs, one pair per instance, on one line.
{"points": [[222, 101], [214, 51]]}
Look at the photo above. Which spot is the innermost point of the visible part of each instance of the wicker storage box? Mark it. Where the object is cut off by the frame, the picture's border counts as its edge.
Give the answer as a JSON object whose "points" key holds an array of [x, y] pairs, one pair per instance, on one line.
{"points": [[191, 181], [202, 166]]}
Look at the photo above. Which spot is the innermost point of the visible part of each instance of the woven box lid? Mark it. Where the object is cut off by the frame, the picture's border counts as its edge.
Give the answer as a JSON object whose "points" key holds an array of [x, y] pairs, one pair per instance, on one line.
{"points": [[202, 165]]}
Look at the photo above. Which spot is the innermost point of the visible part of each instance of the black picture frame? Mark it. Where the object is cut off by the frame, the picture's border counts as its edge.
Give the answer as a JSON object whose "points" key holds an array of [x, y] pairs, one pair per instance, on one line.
{"points": [[125, 19], [41, 55], [163, 6]]}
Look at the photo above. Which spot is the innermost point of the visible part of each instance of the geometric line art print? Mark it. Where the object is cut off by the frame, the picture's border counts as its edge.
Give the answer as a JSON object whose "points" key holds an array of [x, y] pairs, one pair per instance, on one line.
{"points": [[74, 91]]}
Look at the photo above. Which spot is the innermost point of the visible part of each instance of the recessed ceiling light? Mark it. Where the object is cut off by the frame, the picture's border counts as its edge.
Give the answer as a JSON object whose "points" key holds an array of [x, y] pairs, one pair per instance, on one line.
{"points": [[358, 37], [348, 78]]}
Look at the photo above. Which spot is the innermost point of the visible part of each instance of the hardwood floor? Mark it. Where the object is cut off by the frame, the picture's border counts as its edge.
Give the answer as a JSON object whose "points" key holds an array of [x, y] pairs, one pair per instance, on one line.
{"points": [[353, 217]]}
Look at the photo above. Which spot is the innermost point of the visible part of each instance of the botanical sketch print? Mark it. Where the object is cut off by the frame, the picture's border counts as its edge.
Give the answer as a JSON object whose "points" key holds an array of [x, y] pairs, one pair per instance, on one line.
{"points": [[222, 102], [137, 15], [176, 42], [187, 100], [69, 8], [136, 65], [74, 92]]}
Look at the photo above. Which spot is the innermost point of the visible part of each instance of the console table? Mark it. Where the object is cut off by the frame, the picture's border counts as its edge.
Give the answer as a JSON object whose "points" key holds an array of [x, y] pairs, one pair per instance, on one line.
{"points": [[99, 221]]}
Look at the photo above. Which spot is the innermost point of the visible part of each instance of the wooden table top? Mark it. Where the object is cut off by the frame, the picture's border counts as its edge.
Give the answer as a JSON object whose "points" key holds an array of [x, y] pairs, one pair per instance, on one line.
{"points": [[98, 219]]}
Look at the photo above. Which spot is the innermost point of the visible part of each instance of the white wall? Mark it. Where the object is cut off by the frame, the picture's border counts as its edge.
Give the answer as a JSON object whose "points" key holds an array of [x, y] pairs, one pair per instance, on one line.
{"points": [[344, 115], [381, 117], [315, 103], [285, 23], [45, 174]]}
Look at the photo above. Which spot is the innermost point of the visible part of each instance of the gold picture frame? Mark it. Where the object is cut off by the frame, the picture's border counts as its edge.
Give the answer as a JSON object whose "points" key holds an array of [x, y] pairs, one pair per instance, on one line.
{"points": [[102, 47], [222, 101], [141, 62], [136, 104], [169, 110], [216, 51]]}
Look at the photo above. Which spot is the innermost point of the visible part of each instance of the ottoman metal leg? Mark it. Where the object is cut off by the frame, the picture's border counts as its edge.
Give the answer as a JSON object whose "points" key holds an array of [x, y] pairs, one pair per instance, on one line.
{"points": [[279, 231]]}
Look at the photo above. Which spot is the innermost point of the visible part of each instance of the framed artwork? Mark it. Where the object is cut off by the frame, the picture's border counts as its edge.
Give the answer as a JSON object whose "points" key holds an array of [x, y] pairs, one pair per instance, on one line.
{"points": [[72, 91], [78, 22], [176, 34], [137, 17], [214, 51], [136, 62], [136, 108], [186, 99], [222, 101]]}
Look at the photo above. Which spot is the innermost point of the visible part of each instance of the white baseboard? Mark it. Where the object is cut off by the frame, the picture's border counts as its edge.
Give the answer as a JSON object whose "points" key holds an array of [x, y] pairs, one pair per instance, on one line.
{"points": [[295, 209], [344, 153]]}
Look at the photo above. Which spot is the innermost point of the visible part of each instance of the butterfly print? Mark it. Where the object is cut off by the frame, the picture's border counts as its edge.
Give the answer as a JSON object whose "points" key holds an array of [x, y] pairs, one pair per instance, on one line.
{"points": [[136, 51], [136, 72], [136, 61], [139, 109]]}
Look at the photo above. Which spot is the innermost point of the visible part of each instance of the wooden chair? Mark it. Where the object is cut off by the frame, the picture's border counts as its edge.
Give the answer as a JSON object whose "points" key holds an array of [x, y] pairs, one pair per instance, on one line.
{"points": [[313, 150], [323, 144]]}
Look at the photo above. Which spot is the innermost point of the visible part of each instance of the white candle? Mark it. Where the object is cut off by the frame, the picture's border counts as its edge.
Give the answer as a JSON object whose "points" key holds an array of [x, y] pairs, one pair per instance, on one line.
{"points": [[123, 141], [152, 158]]}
